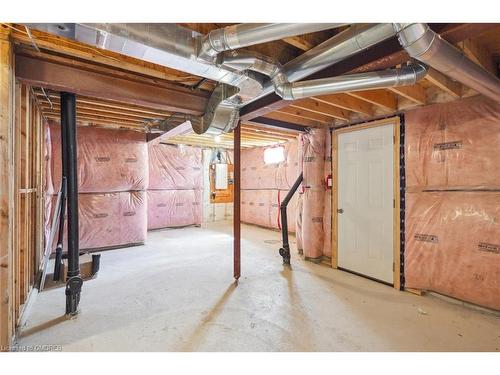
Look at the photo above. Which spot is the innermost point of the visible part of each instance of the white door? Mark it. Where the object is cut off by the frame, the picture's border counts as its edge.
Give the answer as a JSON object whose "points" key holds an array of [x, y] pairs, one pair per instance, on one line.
{"points": [[365, 202]]}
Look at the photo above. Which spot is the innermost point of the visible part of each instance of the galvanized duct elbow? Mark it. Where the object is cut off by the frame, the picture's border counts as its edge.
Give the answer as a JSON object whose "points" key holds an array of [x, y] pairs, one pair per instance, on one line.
{"points": [[244, 35], [355, 39], [222, 113], [405, 76], [425, 45]]}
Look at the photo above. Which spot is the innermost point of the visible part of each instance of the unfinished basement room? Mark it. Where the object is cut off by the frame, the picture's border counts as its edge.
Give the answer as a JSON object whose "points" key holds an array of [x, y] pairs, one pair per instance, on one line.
{"points": [[249, 187]]}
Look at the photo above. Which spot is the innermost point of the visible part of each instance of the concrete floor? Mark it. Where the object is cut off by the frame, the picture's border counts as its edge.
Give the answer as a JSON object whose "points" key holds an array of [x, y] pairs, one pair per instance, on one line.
{"points": [[177, 294]]}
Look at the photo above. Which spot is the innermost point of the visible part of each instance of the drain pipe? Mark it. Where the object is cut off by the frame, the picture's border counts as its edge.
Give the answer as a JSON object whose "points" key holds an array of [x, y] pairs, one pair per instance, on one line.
{"points": [[285, 250], [425, 45], [68, 123]]}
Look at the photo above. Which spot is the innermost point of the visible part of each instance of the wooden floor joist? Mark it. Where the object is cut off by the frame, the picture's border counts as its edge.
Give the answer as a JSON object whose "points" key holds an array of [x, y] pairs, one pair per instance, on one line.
{"points": [[348, 103], [306, 114], [381, 98], [382, 56], [415, 93], [326, 109], [65, 78]]}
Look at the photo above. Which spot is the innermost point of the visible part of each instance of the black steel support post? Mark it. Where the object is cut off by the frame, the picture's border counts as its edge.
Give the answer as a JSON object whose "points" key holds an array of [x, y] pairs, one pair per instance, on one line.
{"points": [[285, 250], [237, 203], [68, 139], [60, 238]]}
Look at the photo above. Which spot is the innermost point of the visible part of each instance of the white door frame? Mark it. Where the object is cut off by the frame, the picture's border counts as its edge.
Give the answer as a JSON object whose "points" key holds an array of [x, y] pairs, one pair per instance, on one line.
{"points": [[396, 219]]}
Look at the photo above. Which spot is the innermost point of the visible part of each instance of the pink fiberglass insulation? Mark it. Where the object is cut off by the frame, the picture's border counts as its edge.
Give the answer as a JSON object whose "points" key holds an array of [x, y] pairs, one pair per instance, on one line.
{"points": [[47, 218], [327, 212], [175, 167], [48, 186], [312, 223], [453, 245], [453, 145], [108, 220], [108, 160], [289, 171], [277, 197], [174, 208], [252, 159], [256, 207], [313, 159], [313, 164], [255, 174], [327, 224], [298, 223], [262, 207]]}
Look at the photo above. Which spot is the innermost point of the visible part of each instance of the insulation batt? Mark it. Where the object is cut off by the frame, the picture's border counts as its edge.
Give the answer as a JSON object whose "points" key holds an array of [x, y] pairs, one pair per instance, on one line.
{"points": [[298, 223], [175, 167], [453, 245], [453, 145], [262, 207], [107, 219], [109, 160], [48, 219], [264, 186], [256, 207], [314, 194], [174, 208], [48, 186], [255, 174], [327, 213]]}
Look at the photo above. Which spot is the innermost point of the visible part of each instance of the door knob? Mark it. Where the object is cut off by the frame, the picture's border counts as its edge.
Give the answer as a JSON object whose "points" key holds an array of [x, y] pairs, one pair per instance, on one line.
{"points": [[340, 211]]}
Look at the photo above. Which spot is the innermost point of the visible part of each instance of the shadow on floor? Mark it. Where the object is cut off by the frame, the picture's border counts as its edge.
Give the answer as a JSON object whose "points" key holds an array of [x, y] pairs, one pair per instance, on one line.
{"points": [[200, 331], [43, 326]]}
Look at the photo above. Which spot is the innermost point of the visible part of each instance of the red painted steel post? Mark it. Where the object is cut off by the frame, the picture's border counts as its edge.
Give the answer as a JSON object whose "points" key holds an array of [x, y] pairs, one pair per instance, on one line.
{"points": [[236, 203]]}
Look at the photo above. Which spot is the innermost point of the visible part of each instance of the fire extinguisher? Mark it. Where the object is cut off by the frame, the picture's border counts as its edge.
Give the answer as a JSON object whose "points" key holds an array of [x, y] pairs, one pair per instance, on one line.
{"points": [[328, 182]]}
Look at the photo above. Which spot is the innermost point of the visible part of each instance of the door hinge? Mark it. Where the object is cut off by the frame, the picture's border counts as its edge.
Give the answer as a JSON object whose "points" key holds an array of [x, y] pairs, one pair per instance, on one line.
{"points": [[393, 266], [394, 203]]}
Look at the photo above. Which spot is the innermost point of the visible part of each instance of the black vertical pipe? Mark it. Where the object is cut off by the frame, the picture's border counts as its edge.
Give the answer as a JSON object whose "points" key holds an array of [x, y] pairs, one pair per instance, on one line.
{"points": [[68, 138], [285, 250], [60, 238]]}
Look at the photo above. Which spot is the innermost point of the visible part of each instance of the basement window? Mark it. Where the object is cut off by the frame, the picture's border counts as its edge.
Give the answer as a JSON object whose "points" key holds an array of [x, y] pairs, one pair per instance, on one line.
{"points": [[274, 155]]}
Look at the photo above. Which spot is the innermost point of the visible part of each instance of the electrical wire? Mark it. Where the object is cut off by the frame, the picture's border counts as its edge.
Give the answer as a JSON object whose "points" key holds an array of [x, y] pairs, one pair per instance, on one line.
{"points": [[31, 38], [37, 104], [47, 97]]}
